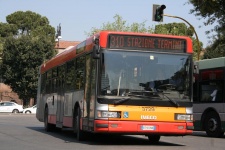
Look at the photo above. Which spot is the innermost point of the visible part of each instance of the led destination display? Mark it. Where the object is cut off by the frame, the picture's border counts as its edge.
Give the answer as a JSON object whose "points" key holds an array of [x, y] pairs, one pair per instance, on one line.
{"points": [[149, 43]]}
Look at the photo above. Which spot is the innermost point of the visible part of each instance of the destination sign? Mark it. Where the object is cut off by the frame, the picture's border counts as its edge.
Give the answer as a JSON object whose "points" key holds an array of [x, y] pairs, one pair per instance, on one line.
{"points": [[148, 43]]}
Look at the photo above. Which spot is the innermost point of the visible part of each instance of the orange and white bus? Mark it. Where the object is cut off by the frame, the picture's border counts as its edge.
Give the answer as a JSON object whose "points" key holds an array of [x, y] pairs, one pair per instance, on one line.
{"points": [[109, 83]]}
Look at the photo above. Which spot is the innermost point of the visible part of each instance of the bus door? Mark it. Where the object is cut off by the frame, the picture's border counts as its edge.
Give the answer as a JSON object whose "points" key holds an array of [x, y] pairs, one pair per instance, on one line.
{"points": [[60, 98], [40, 99], [89, 95]]}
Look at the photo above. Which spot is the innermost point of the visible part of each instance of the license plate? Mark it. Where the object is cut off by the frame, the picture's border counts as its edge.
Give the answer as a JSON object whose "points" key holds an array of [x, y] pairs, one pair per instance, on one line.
{"points": [[147, 127]]}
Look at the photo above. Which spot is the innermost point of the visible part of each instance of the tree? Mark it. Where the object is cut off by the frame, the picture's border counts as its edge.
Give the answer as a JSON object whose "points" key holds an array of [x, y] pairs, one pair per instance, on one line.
{"points": [[213, 12], [215, 50], [5, 31], [25, 50], [120, 25], [174, 29], [179, 29]]}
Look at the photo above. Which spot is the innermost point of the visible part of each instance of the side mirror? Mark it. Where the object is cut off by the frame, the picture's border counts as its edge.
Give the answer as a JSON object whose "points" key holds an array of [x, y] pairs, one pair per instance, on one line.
{"points": [[96, 51]]}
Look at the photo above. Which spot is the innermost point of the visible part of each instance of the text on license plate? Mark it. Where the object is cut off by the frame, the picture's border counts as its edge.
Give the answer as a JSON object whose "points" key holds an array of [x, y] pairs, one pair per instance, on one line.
{"points": [[147, 127]]}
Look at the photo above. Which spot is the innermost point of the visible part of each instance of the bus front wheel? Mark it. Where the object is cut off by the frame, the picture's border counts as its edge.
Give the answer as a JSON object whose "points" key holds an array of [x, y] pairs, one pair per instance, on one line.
{"points": [[48, 127], [76, 125], [154, 138], [213, 125]]}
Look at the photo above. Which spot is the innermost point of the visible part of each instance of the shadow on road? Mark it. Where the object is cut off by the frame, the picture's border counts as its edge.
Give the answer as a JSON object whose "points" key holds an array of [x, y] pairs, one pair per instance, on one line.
{"points": [[203, 134]]}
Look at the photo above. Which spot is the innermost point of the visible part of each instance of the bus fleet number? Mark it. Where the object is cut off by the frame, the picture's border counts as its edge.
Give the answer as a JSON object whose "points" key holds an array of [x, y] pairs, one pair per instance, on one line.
{"points": [[148, 109]]}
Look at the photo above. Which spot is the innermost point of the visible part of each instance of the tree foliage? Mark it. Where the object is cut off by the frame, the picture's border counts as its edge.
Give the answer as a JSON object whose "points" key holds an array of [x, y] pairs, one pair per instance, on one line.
{"points": [[174, 29], [28, 22], [215, 50], [28, 44], [21, 62], [121, 25], [213, 12], [210, 10], [5, 31]]}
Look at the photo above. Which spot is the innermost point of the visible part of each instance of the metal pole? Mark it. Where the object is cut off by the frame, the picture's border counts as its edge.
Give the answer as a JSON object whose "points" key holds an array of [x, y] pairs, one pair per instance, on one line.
{"points": [[199, 48]]}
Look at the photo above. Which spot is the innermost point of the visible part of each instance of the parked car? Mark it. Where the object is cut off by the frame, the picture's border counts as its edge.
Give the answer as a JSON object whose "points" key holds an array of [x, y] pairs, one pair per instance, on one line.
{"points": [[30, 110], [11, 107]]}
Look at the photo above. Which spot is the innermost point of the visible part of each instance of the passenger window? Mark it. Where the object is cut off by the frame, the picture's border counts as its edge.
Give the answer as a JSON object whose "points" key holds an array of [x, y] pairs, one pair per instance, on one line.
{"points": [[80, 68]]}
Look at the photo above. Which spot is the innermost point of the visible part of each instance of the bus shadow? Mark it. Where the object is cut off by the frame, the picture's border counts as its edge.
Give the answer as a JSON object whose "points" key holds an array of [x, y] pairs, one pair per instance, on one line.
{"points": [[103, 139], [203, 134]]}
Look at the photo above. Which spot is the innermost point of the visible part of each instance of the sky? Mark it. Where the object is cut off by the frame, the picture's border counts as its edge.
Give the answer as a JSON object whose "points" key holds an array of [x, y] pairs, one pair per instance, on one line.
{"points": [[78, 17]]}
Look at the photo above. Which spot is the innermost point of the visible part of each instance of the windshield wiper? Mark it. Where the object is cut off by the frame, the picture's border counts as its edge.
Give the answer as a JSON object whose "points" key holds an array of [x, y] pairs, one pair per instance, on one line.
{"points": [[116, 102], [171, 100]]}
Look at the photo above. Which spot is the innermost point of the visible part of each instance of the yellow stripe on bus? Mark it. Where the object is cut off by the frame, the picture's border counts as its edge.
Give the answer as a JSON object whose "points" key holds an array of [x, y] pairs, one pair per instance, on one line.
{"points": [[146, 113]]}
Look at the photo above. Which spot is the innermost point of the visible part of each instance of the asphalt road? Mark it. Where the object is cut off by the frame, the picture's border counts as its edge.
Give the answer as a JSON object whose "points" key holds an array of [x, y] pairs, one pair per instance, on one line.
{"points": [[25, 132]]}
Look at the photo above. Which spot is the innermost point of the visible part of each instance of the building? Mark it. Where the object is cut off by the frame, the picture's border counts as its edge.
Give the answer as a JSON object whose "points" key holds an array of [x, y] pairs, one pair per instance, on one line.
{"points": [[62, 45]]}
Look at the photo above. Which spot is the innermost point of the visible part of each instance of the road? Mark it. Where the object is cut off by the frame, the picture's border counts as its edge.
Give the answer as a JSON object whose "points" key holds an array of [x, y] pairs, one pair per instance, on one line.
{"points": [[25, 132]]}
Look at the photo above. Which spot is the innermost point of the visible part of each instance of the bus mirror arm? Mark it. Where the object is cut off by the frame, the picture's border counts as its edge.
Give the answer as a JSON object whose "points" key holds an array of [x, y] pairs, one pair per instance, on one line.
{"points": [[96, 51]]}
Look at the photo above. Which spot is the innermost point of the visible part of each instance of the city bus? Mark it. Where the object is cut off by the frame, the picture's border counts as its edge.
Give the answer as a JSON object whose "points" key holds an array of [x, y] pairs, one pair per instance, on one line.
{"points": [[106, 85], [208, 98]]}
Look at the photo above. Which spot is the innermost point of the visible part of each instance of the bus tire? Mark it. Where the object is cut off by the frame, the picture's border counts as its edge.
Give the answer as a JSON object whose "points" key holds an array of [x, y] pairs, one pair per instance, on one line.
{"points": [[76, 125], [213, 125], [154, 138], [48, 127]]}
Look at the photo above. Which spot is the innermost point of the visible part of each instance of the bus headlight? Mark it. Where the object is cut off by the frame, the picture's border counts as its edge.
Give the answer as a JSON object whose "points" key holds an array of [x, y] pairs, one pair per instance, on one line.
{"points": [[185, 117], [108, 114]]}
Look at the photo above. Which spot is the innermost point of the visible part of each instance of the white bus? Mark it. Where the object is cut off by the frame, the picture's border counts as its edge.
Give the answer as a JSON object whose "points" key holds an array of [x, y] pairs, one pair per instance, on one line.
{"points": [[209, 104]]}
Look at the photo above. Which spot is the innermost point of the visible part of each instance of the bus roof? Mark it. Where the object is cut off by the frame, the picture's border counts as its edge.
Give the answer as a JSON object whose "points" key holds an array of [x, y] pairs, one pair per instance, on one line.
{"points": [[87, 45], [211, 63], [66, 55]]}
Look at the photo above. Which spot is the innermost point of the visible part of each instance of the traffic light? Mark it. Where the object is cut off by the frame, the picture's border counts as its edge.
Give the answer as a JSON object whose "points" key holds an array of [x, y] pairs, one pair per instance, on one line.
{"points": [[158, 12]]}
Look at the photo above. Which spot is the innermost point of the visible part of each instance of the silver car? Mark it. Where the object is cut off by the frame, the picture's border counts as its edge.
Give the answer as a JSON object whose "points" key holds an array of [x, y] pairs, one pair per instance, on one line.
{"points": [[10, 107]]}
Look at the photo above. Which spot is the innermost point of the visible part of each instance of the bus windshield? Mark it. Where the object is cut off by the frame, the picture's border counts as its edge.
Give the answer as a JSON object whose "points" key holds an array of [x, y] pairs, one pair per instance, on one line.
{"points": [[146, 74]]}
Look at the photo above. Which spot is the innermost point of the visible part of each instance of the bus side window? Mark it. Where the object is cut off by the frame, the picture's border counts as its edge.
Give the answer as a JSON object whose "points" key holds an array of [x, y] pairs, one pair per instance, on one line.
{"points": [[54, 78], [219, 96], [212, 92], [43, 83], [61, 76], [70, 73], [219, 93], [80, 66], [206, 90]]}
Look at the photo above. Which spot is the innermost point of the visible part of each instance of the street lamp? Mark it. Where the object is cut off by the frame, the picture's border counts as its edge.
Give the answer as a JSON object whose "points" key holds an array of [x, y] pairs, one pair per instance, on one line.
{"points": [[58, 34]]}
